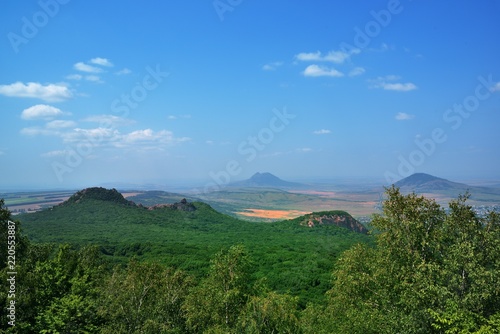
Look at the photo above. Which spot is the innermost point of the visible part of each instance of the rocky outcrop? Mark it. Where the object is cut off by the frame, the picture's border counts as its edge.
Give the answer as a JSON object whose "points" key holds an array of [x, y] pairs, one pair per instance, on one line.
{"points": [[339, 218], [183, 205]]}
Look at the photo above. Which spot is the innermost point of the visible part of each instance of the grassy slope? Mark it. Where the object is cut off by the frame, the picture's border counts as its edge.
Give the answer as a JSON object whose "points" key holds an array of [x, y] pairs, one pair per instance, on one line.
{"points": [[292, 257]]}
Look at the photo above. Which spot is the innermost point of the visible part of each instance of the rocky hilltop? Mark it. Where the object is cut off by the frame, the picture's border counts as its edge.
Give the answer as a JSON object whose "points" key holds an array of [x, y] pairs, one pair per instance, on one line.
{"points": [[339, 218], [98, 193], [183, 205], [114, 196]]}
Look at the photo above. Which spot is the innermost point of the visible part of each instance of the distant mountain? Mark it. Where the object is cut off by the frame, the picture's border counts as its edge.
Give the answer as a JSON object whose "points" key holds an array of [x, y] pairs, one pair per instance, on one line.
{"points": [[265, 180], [421, 182], [446, 190]]}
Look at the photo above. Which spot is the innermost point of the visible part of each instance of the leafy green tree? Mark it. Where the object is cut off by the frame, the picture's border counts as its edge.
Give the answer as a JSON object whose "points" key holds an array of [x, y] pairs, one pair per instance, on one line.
{"points": [[217, 302], [10, 235], [471, 276], [429, 272], [58, 293], [270, 313], [68, 291], [144, 298]]}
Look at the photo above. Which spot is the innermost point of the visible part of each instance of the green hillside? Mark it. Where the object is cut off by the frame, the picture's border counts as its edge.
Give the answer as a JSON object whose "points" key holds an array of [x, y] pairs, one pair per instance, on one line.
{"points": [[293, 257]]}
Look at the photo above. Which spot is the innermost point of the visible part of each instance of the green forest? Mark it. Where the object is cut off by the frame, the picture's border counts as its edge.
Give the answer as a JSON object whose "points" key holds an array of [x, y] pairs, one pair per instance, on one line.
{"points": [[106, 265]]}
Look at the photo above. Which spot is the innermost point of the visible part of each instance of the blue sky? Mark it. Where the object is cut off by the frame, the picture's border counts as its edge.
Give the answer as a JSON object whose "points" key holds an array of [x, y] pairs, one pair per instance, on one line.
{"points": [[173, 92]]}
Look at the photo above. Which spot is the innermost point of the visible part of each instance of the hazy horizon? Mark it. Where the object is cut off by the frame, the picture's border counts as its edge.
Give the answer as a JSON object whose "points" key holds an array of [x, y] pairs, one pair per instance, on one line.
{"points": [[187, 92], [198, 185]]}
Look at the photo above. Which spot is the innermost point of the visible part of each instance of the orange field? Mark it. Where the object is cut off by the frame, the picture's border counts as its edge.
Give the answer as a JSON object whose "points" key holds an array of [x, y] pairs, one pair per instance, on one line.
{"points": [[272, 214]]}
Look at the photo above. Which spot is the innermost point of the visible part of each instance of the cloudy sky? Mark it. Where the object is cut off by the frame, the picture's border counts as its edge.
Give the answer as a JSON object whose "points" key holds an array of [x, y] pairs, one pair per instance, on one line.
{"points": [[214, 91]]}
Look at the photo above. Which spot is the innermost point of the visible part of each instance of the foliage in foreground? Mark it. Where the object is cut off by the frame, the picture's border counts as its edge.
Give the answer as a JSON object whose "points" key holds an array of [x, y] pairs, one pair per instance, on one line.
{"points": [[431, 271]]}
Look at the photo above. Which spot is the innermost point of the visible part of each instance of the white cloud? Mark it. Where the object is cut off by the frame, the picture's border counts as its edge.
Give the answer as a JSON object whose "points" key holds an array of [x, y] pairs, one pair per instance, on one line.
{"points": [[49, 93], [109, 120], [148, 139], [55, 153], [402, 116], [322, 132], [95, 136], [387, 84], [124, 71], [60, 124], [101, 61], [80, 66], [337, 57], [37, 131], [93, 78], [148, 135], [138, 139], [141, 135], [496, 87], [272, 66], [309, 56], [401, 87], [174, 117], [41, 111], [321, 71], [74, 77], [356, 71]]}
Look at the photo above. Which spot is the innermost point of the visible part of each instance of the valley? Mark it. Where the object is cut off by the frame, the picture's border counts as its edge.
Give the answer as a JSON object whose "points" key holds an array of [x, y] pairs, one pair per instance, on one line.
{"points": [[186, 234]]}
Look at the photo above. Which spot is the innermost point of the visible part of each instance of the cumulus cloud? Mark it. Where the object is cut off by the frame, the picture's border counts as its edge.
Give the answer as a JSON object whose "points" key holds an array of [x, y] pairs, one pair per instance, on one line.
{"points": [[321, 71], [356, 71], [496, 87], [109, 120], [74, 77], [148, 135], [95, 136], [49, 93], [41, 111], [387, 83], [138, 139], [322, 132], [402, 116], [272, 66], [101, 61], [60, 124], [398, 86], [174, 117], [38, 131], [81, 66], [55, 153], [124, 71], [337, 57]]}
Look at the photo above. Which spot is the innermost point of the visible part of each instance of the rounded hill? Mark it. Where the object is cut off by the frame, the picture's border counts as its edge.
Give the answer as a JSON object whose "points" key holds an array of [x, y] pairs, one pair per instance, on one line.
{"points": [[98, 193]]}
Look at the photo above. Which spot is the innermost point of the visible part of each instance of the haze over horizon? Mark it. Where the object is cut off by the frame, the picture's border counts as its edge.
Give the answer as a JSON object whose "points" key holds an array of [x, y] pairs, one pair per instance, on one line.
{"points": [[154, 92]]}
